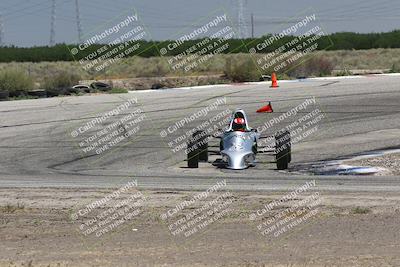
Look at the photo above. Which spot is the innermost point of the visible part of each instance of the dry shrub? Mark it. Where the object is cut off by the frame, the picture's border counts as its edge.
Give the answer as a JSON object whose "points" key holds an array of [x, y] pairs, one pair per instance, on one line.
{"points": [[14, 80], [316, 66], [239, 68], [395, 67], [62, 79]]}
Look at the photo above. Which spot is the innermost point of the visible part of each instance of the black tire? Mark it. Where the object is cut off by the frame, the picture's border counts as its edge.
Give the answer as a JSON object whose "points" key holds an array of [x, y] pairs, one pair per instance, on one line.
{"points": [[56, 92], [282, 162], [282, 150], [101, 86], [38, 93], [72, 90], [255, 148], [201, 138], [192, 155], [289, 143], [4, 95], [16, 93]]}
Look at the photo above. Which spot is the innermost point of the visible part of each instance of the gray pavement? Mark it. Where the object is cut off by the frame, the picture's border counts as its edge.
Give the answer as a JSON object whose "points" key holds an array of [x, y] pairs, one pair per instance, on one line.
{"points": [[37, 148]]}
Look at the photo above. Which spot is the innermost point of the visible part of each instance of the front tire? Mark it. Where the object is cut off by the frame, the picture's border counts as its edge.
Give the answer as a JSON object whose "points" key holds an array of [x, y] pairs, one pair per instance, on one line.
{"points": [[192, 155], [200, 137], [283, 150]]}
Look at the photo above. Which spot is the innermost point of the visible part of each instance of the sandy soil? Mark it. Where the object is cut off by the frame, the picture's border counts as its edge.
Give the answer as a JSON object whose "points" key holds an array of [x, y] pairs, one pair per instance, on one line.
{"points": [[37, 228], [390, 162]]}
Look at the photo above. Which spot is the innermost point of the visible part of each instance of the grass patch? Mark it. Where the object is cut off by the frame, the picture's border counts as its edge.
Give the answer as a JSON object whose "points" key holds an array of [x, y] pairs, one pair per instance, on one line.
{"points": [[395, 68], [22, 97], [315, 66], [14, 80], [241, 68], [360, 210], [344, 72], [118, 91], [9, 208], [134, 67], [236, 67], [62, 79]]}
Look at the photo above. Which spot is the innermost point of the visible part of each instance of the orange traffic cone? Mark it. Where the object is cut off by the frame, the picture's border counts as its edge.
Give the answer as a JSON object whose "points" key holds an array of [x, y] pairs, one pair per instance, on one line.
{"points": [[274, 81], [267, 108]]}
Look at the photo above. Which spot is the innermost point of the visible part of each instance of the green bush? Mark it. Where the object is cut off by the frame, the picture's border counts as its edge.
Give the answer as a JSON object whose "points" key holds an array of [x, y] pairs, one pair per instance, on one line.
{"points": [[14, 80], [395, 68], [118, 91], [148, 49], [360, 210], [61, 80], [315, 66], [241, 69], [344, 72]]}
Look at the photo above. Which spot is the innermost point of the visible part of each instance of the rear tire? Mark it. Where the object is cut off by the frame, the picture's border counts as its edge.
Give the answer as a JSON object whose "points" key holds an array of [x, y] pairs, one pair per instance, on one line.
{"points": [[282, 162], [4, 95], [282, 150], [289, 143], [255, 148], [200, 137], [192, 155]]}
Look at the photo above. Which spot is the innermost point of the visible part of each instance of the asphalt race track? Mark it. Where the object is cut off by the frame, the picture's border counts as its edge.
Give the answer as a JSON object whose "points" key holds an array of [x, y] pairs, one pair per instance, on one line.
{"points": [[37, 148]]}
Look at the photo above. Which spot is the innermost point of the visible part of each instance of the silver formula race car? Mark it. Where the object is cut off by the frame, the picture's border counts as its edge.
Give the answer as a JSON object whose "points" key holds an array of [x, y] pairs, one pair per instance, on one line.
{"points": [[238, 146]]}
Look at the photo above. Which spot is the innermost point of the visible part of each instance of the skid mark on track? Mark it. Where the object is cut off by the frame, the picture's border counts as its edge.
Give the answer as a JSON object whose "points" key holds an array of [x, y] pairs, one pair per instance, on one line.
{"points": [[330, 83]]}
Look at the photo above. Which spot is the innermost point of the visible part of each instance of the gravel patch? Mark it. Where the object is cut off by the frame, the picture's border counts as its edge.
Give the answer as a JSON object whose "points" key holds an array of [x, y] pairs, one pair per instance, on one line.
{"points": [[391, 162]]}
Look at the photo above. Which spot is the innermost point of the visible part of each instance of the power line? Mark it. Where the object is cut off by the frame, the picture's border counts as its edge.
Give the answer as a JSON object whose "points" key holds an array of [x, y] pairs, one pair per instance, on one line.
{"points": [[252, 25], [355, 8], [346, 12], [241, 20], [15, 11], [362, 12], [23, 14], [1, 30], [53, 24], [78, 21]]}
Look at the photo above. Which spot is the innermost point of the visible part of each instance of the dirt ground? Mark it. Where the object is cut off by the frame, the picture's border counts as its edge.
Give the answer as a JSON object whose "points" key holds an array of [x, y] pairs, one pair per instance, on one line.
{"points": [[390, 162], [38, 228]]}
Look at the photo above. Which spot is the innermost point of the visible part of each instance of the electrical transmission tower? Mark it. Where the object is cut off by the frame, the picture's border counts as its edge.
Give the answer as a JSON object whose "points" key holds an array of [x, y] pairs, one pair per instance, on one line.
{"points": [[53, 24], [1, 30], [78, 21], [242, 28]]}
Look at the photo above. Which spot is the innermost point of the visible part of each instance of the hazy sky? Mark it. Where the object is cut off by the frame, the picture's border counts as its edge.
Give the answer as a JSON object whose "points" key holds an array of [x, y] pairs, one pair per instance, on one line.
{"points": [[27, 22]]}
